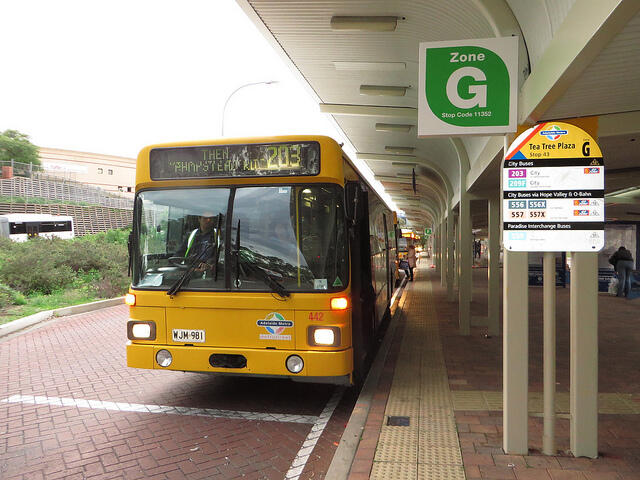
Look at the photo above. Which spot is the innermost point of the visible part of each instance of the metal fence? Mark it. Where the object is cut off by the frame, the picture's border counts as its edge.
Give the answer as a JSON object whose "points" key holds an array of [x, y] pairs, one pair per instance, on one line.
{"points": [[30, 182]]}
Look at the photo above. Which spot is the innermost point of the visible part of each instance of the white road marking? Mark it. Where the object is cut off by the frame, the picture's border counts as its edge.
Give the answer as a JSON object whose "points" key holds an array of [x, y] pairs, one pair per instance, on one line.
{"points": [[300, 460], [137, 407]]}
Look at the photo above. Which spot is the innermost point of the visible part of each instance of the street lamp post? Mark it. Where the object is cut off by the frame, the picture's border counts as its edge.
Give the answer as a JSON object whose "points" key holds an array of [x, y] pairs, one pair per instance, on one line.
{"points": [[224, 109]]}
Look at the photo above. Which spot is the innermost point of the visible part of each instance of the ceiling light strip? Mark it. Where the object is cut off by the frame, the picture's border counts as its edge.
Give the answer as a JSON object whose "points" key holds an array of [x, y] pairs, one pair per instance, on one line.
{"points": [[383, 90], [399, 150], [394, 127], [404, 164]]}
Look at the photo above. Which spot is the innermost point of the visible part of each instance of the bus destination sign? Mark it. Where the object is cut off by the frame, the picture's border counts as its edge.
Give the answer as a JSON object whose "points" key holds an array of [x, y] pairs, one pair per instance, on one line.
{"points": [[222, 161]]}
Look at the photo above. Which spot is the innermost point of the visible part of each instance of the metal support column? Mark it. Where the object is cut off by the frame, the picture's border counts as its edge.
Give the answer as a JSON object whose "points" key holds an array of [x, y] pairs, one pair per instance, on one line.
{"points": [[435, 249], [456, 253], [584, 355], [442, 236], [451, 273], [465, 243], [493, 272], [549, 353], [515, 346]]}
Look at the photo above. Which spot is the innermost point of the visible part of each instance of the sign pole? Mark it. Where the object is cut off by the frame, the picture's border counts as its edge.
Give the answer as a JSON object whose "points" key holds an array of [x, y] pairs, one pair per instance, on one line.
{"points": [[515, 347], [583, 391], [549, 349], [553, 200]]}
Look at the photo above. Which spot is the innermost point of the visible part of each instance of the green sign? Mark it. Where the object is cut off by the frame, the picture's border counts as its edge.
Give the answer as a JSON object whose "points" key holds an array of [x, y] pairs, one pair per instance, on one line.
{"points": [[459, 79], [427, 231], [468, 87]]}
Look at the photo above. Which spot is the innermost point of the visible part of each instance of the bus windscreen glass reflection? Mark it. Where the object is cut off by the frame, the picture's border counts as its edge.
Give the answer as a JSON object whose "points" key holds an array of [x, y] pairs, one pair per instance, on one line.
{"points": [[291, 237]]}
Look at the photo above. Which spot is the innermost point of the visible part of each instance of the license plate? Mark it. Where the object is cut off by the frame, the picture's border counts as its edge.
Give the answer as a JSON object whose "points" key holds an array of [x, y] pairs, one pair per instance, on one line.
{"points": [[188, 336]]}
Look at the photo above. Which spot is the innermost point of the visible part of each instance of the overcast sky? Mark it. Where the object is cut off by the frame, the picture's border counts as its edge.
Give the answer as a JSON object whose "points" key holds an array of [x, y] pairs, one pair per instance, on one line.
{"points": [[112, 77]]}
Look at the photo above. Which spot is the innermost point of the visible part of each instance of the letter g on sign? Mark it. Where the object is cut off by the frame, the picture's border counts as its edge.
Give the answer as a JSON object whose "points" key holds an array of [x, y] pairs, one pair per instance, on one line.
{"points": [[478, 92]]}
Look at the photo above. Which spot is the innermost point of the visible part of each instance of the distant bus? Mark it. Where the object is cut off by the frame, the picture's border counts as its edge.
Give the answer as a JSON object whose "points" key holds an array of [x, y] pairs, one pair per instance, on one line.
{"points": [[23, 226]]}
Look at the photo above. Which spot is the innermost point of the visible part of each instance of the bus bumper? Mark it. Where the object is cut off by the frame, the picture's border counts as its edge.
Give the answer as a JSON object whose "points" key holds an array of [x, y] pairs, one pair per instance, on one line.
{"points": [[317, 364]]}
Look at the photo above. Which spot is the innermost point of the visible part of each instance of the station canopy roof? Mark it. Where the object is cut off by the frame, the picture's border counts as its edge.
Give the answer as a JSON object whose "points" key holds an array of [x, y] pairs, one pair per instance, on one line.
{"points": [[577, 59]]}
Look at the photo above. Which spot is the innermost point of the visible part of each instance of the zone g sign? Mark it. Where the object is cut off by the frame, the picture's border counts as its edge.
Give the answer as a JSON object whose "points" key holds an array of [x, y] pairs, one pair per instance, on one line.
{"points": [[468, 87]]}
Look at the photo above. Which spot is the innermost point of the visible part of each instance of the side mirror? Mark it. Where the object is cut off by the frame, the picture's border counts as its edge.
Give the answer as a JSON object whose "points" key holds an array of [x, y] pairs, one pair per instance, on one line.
{"points": [[130, 241], [353, 202]]}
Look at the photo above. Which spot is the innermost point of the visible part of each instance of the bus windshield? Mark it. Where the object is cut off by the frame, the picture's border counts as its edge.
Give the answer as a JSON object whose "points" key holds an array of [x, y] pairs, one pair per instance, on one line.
{"points": [[287, 238]]}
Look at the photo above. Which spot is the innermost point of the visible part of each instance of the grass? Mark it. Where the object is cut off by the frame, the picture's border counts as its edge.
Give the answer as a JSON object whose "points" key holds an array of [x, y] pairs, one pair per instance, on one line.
{"points": [[40, 303]]}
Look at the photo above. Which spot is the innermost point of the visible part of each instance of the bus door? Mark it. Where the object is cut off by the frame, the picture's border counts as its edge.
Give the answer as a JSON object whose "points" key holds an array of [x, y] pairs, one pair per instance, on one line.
{"points": [[387, 259], [33, 229], [362, 292]]}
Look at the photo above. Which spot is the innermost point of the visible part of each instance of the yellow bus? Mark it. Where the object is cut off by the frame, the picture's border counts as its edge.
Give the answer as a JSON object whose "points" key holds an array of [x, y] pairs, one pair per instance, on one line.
{"points": [[268, 257]]}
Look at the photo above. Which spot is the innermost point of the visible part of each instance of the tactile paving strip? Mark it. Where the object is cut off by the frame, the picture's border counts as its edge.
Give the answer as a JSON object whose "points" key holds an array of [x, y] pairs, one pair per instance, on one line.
{"points": [[405, 451], [439, 454], [429, 448], [393, 471], [609, 403]]}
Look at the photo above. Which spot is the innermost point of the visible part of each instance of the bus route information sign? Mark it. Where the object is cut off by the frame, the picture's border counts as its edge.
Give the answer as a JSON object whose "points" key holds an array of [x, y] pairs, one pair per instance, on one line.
{"points": [[553, 184]]}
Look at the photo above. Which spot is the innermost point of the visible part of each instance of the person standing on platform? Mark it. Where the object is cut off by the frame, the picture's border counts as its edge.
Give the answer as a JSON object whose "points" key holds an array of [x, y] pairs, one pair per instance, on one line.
{"points": [[622, 261], [411, 258]]}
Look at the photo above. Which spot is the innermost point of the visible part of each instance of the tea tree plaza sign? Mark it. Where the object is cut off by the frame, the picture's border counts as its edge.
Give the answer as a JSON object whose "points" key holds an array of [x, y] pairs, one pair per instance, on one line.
{"points": [[553, 184], [468, 87]]}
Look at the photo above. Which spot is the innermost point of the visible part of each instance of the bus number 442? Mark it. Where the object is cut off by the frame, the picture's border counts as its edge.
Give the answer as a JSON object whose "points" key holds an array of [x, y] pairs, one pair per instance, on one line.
{"points": [[315, 316]]}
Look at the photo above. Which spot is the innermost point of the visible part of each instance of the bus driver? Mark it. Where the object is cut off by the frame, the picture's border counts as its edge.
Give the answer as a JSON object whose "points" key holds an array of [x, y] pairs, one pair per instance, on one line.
{"points": [[200, 239]]}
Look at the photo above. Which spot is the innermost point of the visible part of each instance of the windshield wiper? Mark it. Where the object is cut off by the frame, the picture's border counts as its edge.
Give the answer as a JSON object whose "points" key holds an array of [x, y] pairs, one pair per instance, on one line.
{"points": [[263, 274], [217, 248], [271, 282], [185, 276], [236, 252]]}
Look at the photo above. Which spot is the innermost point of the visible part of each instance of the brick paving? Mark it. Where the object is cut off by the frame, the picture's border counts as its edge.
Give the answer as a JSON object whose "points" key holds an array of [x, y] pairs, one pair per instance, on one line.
{"points": [[474, 363], [83, 357]]}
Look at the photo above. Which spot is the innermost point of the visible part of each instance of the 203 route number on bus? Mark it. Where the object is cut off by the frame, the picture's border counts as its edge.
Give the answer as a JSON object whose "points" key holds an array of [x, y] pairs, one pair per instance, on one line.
{"points": [[188, 336]]}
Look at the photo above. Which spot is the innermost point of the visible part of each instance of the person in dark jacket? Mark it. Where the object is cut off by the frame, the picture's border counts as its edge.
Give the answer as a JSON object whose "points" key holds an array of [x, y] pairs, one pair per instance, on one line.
{"points": [[622, 261]]}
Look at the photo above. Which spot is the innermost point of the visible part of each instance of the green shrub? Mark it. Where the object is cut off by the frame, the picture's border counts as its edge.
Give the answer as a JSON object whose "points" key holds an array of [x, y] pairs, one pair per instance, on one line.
{"points": [[8, 297], [95, 264], [36, 266]]}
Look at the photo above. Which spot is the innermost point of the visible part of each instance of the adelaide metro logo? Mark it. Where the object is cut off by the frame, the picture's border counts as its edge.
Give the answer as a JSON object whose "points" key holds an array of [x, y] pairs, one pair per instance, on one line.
{"points": [[467, 86], [275, 324]]}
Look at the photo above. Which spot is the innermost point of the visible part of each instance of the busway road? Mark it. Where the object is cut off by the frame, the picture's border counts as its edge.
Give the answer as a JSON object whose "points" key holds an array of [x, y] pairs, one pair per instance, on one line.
{"points": [[70, 408]]}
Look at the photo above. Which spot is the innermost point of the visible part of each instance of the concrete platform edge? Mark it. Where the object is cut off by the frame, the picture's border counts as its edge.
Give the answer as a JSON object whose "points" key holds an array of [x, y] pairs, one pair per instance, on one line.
{"points": [[26, 322], [345, 453]]}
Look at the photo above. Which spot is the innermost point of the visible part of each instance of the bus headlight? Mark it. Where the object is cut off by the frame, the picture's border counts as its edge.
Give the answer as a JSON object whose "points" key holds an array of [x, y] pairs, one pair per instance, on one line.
{"points": [[294, 364], [323, 336], [164, 358], [141, 330]]}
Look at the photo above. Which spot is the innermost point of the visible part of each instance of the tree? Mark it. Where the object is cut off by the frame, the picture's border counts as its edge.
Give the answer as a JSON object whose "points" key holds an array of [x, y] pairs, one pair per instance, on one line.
{"points": [[16, 146]]}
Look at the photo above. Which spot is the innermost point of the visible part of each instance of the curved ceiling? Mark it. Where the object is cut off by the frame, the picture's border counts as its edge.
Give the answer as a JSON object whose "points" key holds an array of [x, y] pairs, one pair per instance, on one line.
{"points": [[576, 59]]}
